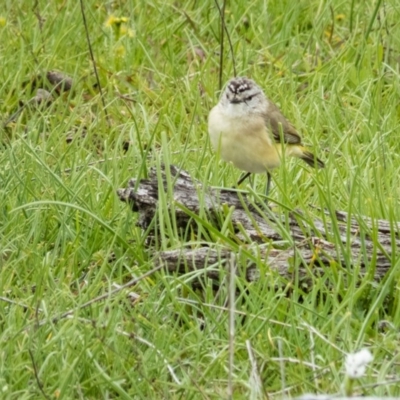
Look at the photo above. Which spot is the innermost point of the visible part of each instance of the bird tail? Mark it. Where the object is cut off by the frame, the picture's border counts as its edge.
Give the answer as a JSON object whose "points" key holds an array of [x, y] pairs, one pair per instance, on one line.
{"points": [[307, 156]]}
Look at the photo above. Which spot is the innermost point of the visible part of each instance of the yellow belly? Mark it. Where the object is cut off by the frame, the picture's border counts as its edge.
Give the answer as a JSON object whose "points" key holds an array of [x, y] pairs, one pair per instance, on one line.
{"points": [[246, 144]]}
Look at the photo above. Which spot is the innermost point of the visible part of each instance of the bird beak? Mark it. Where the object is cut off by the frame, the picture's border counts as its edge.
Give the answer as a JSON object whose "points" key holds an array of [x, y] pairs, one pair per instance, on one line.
{"points": [[235, 100]]}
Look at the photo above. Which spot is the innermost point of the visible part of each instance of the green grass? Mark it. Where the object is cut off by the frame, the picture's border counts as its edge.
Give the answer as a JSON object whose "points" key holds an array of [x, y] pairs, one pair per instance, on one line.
{"points": [[65, 238]]}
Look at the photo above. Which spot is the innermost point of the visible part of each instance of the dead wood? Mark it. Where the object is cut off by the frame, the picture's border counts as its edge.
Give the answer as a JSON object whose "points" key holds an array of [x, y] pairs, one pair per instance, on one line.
{"points": [[295, 245]]}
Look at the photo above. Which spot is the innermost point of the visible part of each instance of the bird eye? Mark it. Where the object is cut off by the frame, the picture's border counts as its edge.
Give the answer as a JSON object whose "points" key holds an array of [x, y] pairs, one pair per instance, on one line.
{"points": [[248, 98]]}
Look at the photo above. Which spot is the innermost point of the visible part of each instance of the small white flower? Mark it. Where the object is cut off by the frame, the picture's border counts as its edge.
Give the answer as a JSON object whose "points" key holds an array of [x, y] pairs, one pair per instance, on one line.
{"points": [[356, 363]]}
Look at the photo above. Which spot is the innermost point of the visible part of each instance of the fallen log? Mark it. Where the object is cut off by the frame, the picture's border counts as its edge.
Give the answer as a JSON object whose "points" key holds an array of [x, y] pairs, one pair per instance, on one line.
{"points": [[294, 245]]}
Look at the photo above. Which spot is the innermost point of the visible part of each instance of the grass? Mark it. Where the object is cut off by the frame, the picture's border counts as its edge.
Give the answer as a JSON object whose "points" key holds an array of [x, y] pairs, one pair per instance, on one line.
{"points": [[65, 238]]}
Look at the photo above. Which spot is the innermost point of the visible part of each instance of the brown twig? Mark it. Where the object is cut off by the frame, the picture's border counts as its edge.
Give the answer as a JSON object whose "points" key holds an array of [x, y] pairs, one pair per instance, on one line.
{"points": [[221, 56], [104, 296], [36, 11], [15, 303], [94, 63], [40, 385]]}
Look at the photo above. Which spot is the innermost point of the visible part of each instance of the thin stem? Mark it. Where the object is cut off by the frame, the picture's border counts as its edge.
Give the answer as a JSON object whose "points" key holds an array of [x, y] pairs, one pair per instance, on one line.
{"points": [[94, 63], [224, 28]]}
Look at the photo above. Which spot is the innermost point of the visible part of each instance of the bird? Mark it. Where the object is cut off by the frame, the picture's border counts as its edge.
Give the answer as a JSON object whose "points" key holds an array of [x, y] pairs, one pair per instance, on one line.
{"points": [[251, 132]]}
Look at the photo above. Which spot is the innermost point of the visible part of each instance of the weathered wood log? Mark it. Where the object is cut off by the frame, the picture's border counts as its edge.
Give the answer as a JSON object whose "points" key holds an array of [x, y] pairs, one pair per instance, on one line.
{"points": [[303, 245]]}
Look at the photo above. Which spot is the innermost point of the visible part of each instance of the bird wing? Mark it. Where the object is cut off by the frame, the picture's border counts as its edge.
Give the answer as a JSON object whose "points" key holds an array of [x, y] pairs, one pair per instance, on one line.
{"points": [[280, 127]]}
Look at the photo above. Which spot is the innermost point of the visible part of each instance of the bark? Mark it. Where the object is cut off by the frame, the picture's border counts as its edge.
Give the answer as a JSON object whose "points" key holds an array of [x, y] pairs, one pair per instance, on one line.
{"points": [[291, 244]]}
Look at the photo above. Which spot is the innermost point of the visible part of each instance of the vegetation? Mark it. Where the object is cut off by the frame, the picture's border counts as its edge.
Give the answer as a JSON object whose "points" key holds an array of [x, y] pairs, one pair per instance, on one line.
{"points": [[65, 238]]}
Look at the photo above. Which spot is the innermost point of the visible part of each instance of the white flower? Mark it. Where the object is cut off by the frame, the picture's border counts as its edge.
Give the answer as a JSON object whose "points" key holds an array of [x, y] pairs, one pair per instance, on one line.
{"points": [[357, 362]]}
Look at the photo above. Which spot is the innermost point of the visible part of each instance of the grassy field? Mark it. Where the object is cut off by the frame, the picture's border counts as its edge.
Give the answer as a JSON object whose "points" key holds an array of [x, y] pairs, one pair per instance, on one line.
{"points": [[65, 238]]}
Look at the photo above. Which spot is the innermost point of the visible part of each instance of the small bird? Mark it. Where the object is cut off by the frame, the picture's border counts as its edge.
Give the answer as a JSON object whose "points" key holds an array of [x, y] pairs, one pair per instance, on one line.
{"points": [[248, 129]]}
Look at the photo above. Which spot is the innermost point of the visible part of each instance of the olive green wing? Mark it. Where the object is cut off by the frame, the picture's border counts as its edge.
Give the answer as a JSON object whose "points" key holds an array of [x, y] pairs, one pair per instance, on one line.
{"points": [[280, 127]]}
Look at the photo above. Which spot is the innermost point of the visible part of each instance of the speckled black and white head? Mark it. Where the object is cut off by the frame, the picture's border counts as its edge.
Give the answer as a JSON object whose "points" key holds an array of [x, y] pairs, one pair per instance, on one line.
{"points": [[243, 96]]}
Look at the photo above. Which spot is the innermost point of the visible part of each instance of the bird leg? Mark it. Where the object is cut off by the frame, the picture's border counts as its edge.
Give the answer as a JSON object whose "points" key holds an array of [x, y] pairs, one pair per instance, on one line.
{"points": [[247, 174], [268, 183], [243, 177]]}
